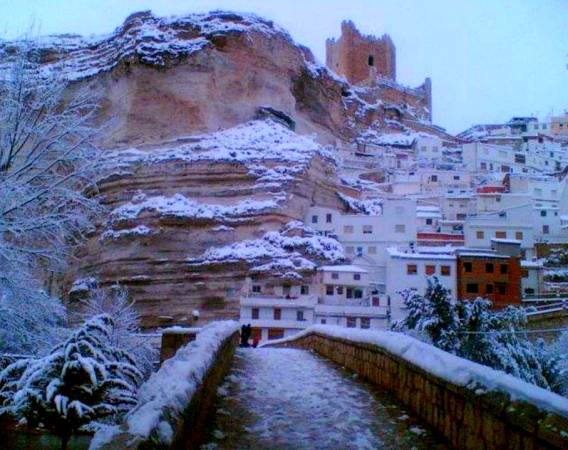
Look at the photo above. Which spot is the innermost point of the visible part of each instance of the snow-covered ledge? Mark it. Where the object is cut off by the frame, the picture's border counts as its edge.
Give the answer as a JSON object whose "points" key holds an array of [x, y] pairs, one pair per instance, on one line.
{"points": [[471, 404], [173, 403]]}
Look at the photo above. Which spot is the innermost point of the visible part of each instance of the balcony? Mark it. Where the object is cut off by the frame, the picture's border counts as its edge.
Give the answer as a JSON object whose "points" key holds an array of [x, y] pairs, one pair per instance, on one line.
{"points": [[277, 301]]}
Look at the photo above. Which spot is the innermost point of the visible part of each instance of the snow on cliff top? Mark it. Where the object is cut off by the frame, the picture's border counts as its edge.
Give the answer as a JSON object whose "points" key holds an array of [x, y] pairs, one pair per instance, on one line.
{"points": [[150, 39]]}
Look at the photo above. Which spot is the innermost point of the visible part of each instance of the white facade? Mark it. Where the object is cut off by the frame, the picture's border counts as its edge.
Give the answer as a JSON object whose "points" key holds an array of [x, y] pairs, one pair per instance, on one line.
{"points": [[507, 224], [411, 270], [367, 237]]}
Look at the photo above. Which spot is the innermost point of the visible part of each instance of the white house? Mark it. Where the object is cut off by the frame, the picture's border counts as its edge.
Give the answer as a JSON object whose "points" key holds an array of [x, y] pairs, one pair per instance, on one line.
{"points": [[411, 270], [366, 237], [512, 223]]}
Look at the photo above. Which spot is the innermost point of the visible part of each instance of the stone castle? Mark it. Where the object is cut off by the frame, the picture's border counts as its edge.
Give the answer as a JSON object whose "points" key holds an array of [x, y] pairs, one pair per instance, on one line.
{"points": [[366, 60]]}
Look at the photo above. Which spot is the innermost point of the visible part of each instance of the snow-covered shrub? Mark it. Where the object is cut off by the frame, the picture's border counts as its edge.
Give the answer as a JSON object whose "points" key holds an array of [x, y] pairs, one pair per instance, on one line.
{"points": [[472, 330], [85, 379], [433, 314], [125, 332]]}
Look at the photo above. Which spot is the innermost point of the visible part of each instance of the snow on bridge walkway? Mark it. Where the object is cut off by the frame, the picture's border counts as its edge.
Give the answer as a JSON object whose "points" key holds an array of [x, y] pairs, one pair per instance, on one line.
{"points": [[276, 398]]}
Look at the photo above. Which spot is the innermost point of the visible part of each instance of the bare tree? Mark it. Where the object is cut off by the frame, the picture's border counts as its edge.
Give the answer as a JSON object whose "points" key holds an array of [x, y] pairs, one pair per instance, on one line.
{"points": [[47, 163]]}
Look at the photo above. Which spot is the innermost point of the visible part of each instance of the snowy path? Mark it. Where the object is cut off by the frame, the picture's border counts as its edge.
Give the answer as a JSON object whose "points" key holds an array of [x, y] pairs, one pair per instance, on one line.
{"points": [[292, 399]]}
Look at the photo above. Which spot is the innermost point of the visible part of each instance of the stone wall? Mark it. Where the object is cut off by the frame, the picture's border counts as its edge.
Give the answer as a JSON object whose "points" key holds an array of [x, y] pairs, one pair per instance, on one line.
{"points": [[190, 428], [469, 417]]}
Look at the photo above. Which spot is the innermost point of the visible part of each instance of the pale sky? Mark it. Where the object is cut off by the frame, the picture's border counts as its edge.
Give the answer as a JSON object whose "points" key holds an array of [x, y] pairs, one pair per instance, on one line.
{"points": [[488, 59]]}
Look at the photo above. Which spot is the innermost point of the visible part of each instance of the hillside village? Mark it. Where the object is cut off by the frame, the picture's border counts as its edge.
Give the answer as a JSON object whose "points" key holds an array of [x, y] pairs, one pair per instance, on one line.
{"points": [[317, 199], [210, 239]]}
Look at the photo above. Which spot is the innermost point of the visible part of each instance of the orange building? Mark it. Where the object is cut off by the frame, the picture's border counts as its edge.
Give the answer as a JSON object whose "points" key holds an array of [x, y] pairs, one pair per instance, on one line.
{"points": [[495, 274]]}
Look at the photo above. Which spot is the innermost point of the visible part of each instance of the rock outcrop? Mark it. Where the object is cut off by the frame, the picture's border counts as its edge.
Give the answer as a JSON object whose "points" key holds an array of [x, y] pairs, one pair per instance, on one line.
{"points": [[200, 195]]}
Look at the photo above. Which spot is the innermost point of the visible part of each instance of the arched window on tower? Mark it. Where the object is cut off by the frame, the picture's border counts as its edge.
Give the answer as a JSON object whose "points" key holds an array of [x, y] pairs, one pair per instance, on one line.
{"points": [[371, 60]]}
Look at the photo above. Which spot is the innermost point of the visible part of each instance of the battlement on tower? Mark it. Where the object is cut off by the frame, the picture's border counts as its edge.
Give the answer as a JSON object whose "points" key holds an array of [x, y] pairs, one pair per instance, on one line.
{"points": [[370, 61], [361, 57]]}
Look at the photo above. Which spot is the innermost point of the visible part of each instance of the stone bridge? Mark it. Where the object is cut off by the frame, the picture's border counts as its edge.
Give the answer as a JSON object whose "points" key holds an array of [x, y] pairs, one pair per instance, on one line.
{"points": [[334, 388]]}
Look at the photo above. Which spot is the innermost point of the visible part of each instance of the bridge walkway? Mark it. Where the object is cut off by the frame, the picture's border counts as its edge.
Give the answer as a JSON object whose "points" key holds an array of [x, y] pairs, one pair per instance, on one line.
{"points": [[276, 398]]}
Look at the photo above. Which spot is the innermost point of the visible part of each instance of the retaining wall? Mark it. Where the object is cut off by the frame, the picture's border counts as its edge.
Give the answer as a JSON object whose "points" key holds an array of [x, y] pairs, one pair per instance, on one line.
{"points": [[470, 417]]}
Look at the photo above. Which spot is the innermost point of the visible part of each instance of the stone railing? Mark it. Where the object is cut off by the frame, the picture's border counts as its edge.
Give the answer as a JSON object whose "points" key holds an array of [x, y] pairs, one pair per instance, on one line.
{"points": [[471, 405], [177, 402]]}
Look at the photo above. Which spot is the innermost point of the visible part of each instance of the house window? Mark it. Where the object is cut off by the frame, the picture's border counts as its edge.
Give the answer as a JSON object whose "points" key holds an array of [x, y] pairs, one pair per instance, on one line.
{"points": [[501, 288], [334, 276], [314, 219], [349, 292], [371, 60], [323, 321], [430, 269], [351, 322], [328, 218], [348, 229], [367, 229], [524, 273], [358, 293], [349, 249], [359, 251], [300, 316], [504, 269], [489, 289], [483, 166], [365, 322], [428, 221], [372, 250], [356, 276], [339, 290], [456, 177], [400, 228], [411, 269], [472, 288], [543, 213], [445, 271], [501, 234], [275, 333], [328, 290], [304, 290], [434, 178], [277, 314], [255, 313], [467, 267], [256, 288], [545, 229], [489, 268], [480, 235], [519, 235]]}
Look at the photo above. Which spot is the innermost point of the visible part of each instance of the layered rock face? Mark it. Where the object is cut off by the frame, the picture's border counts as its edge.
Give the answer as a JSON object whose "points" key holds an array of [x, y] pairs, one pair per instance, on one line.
{"points": [[191, 214], [191, 219]]}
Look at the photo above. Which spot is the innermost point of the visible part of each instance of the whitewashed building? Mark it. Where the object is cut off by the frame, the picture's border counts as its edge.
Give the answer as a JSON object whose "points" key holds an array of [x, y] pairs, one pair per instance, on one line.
{"points": [[411, 270]]}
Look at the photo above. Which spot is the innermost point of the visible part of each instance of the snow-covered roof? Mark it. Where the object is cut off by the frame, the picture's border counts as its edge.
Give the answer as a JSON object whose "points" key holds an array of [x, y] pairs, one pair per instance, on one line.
{"points": [[343, 268], [506, 241], [532, 264], [396, 253]]}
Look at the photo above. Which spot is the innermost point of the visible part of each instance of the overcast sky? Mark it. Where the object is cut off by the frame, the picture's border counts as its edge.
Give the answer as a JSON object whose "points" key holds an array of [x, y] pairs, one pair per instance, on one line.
{"points": [[488, 59]]}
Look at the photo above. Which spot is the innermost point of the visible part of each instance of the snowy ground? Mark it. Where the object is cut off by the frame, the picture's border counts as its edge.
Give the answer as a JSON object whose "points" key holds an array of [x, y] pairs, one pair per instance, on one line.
{"points": [[291, 399]]}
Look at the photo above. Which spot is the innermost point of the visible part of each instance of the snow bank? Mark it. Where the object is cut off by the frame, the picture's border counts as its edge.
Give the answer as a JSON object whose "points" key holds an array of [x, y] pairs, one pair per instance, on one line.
{"points": [[181, 206], [166, 394], [451, 368], [277, 251]]}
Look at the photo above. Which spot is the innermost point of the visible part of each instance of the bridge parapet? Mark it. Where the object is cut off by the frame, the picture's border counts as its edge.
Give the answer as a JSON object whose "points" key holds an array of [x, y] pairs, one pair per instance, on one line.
{"points": [[472, 405], [177, 401]]}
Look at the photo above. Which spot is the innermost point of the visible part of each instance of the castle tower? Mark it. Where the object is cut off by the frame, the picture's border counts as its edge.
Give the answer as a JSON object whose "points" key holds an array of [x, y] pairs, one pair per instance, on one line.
{"points": [[361, 58]]}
